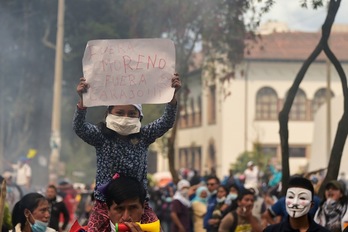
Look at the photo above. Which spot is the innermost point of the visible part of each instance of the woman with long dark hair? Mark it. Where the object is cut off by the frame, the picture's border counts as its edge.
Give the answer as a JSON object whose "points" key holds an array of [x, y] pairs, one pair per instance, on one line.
{"points": [[31, 214]]}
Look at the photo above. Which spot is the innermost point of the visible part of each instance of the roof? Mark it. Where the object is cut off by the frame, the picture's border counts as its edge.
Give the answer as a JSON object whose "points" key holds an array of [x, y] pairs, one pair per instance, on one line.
{"points": [[296, 46]]}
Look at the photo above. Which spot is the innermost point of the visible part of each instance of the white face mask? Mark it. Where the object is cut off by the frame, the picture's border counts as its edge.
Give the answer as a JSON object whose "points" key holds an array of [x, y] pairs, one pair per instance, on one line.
{"points": [[232, 196], [298, 201], [220, 200], [184, 192], [123, 125]]}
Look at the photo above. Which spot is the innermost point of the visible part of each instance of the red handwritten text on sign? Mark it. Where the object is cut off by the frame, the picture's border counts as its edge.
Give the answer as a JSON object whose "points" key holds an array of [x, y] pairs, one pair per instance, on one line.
{"points": [[129, 71]]}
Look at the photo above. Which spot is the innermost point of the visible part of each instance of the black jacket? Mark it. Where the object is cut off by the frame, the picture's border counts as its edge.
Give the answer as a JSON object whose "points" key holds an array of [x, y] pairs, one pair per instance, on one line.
{"points": [[284, 226], [57, 208]]}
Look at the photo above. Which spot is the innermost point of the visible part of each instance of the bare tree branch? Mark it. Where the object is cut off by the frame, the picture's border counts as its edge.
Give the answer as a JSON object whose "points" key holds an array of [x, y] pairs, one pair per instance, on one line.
{"points": [[284, 114], [45, 40]]}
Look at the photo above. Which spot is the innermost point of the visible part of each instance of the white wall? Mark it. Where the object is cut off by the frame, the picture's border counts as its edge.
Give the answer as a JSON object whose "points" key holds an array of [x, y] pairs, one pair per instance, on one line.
{"points": [[236, 114], [320, 158]]}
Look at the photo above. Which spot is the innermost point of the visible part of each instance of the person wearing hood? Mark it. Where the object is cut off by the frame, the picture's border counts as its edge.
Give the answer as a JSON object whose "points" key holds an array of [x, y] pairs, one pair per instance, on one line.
{"points": [[180, 208], [199, 208], [121, 145], [333, 208], [57, 208]]}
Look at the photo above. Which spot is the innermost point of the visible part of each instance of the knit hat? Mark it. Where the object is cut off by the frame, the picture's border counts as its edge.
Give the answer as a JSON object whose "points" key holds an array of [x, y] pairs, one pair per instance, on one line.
{"points": [[301, 183], [335, 184], [140, 108], [137, 106]]}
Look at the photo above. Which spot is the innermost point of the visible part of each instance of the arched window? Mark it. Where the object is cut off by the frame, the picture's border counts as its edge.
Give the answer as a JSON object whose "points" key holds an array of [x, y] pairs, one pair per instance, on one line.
{"points": [[211, 158], [318, 99], [299, 106], [266, 104]]}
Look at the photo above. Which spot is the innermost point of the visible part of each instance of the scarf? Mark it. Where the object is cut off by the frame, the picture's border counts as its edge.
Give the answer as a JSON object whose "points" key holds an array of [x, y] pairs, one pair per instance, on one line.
{"points": [[330, 215], [178, 196]]}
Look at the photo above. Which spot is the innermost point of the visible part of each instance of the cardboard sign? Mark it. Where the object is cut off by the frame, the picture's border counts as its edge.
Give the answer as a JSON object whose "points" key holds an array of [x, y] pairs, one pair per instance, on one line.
{"points": [[128, 71]]}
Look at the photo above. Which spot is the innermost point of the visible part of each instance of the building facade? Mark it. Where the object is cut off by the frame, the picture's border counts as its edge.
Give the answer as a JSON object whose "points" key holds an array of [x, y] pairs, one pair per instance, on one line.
{"points": [[228, 115]]}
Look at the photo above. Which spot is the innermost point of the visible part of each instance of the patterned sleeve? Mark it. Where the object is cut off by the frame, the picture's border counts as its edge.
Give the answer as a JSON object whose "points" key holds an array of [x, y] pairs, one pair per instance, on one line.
{"points": [[86, 131], [145, 180], [160, 126]]}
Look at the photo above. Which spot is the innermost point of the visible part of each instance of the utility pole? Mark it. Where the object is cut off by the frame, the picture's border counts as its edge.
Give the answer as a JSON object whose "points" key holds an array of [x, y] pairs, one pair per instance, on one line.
{"points": [[55, 141]]}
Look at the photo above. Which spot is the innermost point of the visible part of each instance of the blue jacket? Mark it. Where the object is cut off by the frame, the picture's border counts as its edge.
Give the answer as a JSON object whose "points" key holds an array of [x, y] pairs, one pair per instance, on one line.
{"points": [[279, 208], [210, 208]]}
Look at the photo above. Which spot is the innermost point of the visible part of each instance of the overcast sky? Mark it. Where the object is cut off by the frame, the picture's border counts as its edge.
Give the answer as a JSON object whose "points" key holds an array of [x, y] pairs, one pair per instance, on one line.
{"points": [[297, 18]]}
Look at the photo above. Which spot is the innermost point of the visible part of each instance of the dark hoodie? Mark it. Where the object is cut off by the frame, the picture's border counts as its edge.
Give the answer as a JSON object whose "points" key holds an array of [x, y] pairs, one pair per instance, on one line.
{"points": [[58, 207]]}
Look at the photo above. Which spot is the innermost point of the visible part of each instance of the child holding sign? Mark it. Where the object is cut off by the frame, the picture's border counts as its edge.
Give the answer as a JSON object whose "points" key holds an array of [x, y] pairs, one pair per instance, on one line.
{"points": [[121, 147]]}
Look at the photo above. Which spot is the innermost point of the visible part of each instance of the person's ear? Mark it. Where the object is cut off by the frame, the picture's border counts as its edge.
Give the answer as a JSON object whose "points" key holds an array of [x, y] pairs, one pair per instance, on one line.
{"points": [[26, 213], [29, 216]]}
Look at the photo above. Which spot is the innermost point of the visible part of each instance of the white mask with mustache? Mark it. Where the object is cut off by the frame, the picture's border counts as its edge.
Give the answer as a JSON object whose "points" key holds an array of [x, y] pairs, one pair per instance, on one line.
{"points": [[298, 201]]}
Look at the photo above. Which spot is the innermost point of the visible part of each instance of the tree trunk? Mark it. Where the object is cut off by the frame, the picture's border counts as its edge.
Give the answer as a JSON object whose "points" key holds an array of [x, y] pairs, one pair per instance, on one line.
{"points": [[342, 129], [171, 144], [284, 114], [2, 201]]}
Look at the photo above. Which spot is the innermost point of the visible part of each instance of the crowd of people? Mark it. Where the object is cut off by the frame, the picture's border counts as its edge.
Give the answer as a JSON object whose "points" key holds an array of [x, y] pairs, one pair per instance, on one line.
{"points": [[63, 204], [241, 204], [123, 200], [211, 205]]}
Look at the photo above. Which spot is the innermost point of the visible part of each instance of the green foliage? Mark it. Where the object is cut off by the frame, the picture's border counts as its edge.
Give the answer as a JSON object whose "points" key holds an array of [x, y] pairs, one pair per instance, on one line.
{"points": [[151, 113], [315, 4], [256, 155], [27, 61]]}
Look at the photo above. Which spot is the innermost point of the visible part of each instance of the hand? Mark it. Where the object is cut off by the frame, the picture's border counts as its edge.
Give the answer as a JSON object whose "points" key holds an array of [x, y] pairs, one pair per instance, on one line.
{"points": [[176, 82], [245, 211], [133, 227], [82, 87], [213, 221]]}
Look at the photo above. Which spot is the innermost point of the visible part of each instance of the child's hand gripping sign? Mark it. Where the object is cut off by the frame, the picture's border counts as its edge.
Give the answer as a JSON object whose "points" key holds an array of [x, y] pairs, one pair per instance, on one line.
{"points": [[128, 71]]}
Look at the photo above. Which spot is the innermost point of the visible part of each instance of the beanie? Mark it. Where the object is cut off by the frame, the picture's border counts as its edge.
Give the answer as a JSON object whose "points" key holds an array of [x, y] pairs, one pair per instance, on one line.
{"points": [[301, 183], [140, 108]]}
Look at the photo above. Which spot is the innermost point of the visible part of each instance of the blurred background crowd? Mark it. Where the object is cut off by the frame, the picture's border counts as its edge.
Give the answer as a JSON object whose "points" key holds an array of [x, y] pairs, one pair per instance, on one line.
{"points": [[209, 198]]}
